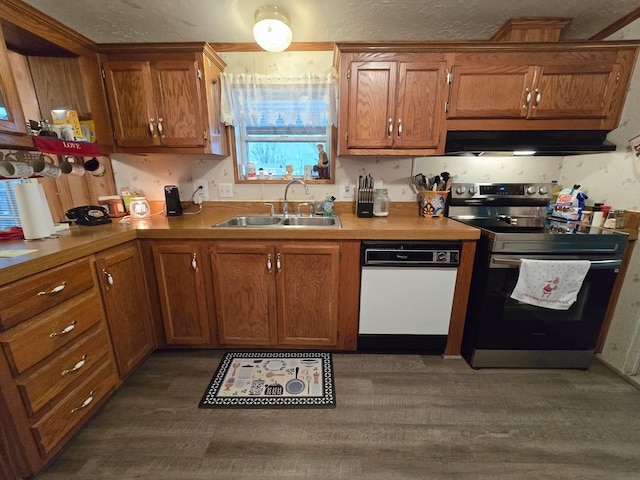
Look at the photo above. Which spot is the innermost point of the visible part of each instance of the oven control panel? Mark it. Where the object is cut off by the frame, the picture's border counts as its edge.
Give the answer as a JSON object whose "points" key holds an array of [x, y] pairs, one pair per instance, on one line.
{"points": [[488, 191]]}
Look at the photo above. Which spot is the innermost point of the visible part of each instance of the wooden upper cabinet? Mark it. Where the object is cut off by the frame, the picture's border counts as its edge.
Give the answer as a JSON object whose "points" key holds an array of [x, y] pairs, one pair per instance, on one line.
{"points": [[155, 104], [11, 116], [165, 102], [574, 90], [392, 104]]}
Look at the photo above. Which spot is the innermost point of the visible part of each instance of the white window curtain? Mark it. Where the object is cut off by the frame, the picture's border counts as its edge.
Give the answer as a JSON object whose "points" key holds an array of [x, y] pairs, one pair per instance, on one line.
{"points": [[272, 100]]}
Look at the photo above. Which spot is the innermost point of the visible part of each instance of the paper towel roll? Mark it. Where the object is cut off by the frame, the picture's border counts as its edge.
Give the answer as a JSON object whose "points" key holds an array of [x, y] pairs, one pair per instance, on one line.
{"points": [[33, 209]]}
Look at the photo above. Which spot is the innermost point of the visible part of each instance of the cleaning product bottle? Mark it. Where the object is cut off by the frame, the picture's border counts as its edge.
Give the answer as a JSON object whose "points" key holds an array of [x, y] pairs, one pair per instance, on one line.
{"points": [[555, 190]]}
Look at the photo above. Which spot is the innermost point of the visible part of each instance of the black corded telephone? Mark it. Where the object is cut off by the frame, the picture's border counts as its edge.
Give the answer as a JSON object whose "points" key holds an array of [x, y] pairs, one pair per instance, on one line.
{"points": [[89, 215]]}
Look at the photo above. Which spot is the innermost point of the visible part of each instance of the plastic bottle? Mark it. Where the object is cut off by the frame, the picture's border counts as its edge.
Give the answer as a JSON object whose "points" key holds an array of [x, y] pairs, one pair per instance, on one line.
{"points": [[555, 191]]}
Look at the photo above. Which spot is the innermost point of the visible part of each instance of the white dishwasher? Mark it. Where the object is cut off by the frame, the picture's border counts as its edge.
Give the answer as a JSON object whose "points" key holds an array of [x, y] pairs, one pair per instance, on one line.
{"points": [[406, 295]]}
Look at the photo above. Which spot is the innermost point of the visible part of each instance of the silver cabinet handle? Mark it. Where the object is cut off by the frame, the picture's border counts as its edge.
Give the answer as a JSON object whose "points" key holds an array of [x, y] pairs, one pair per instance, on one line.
{"points": [[54, 290], [526, 103], [160, 120], [85, 404], [399, 127], [76, 367], [108, 275], [269, 266], [390, 127], [64, 331], [194, 262], [151, 120], [538, 98], [278, 264]]}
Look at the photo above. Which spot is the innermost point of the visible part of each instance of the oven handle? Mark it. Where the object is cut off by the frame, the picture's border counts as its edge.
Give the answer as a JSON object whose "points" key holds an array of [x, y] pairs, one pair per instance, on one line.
{"points": [[516, 262]]}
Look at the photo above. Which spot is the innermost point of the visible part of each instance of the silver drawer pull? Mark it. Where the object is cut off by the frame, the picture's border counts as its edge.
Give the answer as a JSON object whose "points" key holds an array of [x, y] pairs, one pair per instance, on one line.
{"points": [[76, 367], [64, 331], [85, 404], [54, 290], [108, 275]]}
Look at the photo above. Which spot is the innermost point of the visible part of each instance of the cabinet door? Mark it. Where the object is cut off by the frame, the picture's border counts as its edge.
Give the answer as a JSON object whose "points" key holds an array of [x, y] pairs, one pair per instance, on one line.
{"points": [[178, 103], [420, 106], [130, 96], [125, 299], [182, 290], [243, 279], [372, 88], [307, 279], [575, 91], [490, 91], [11, 116]]}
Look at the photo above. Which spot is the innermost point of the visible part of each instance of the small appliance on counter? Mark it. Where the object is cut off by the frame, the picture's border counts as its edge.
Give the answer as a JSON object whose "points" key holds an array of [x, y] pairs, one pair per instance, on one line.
{"points": [[172, 201]]}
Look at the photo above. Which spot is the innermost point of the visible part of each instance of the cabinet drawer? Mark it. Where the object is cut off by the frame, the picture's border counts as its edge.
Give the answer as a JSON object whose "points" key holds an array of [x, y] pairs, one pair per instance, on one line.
{"points": [[76, 406], [28, 297], [57, 374], [32, 341]]}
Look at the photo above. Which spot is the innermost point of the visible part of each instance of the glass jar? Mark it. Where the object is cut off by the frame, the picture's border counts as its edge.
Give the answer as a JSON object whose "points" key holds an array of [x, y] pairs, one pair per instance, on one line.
{"points": [[139, 208], [381, 202]]}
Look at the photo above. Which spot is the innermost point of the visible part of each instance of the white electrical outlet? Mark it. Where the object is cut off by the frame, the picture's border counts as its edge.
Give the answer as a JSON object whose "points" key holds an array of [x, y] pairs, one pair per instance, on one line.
{"points": [[225, 190], [203, 189], [347, 191]]}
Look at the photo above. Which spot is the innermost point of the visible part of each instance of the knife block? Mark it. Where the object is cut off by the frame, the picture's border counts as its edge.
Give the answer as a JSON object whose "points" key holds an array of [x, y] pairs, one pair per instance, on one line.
{"points": [[364, 208]]}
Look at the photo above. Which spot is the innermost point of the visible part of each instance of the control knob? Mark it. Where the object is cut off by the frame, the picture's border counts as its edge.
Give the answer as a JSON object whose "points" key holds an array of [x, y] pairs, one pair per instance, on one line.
{"points": [[472, 190], [543, 190], [460, 190], [531, 190]]}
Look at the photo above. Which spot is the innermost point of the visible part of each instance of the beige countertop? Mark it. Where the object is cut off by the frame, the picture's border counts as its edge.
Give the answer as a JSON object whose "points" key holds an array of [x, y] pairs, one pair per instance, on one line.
{"points": [[80, 241]]}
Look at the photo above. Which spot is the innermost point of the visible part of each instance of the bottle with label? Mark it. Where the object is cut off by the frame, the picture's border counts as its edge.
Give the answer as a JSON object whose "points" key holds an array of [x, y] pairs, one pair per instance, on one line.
{"points": [[555, 191], [381, 202]]}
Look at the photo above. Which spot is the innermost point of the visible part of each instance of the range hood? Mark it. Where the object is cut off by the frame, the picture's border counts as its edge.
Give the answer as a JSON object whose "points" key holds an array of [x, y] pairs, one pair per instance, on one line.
{"points": [[543, 143]]}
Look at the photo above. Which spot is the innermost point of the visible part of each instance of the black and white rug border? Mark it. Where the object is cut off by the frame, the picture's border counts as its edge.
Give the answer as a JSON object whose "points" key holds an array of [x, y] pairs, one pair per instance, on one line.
{"points": [[327, 400]]}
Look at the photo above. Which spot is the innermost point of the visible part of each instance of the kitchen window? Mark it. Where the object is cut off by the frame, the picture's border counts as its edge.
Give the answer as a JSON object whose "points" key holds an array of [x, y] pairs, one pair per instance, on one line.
{"points": [[280, 122], [9, 216]]}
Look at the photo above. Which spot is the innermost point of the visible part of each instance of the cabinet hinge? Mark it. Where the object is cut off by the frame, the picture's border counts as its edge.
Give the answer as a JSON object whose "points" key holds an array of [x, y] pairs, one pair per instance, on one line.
{"points": [[348, 74], [199, 74], [446, 107], [115, 137], [204, 135], [104, 75], [346, 137], [448, 75]]}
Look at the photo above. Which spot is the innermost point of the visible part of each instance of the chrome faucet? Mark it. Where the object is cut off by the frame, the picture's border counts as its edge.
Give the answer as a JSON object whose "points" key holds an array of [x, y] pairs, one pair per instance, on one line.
{"points": [[285, 203]]}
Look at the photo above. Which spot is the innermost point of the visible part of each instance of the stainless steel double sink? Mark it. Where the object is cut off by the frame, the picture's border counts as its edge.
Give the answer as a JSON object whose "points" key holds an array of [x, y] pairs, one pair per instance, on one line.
{"points": [[279, 221]]}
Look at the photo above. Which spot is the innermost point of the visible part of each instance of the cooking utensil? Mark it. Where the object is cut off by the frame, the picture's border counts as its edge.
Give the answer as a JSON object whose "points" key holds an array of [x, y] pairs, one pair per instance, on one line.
{"points": [[271, 374], [308, 383], [295, 385]]}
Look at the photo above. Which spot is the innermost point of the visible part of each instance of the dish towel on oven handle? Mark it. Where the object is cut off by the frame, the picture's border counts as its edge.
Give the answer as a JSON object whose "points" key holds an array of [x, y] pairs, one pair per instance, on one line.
{"points": [[550, 283]]}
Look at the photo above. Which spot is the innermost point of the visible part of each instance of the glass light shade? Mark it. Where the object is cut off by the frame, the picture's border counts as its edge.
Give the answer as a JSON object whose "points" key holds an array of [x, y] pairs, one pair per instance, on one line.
{"points": [[272, 31], [139, 208]]}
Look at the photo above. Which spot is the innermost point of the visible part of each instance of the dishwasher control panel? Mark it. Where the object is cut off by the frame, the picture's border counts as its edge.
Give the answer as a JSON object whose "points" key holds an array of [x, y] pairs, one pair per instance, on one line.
{"points": [[445, 254]]}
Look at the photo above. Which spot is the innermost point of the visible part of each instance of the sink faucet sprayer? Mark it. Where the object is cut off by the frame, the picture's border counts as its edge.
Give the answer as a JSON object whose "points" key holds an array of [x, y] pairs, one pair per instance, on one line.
{"points": [[285, 203]]}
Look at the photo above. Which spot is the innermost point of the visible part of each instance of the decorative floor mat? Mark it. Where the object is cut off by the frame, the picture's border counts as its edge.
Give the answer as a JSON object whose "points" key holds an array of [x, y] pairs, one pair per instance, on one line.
{"points": [[272, 380]]}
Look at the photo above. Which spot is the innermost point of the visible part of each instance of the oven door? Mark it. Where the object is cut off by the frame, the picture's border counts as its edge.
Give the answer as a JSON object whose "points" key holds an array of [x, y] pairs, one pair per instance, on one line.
{"points": [[497, 322]]}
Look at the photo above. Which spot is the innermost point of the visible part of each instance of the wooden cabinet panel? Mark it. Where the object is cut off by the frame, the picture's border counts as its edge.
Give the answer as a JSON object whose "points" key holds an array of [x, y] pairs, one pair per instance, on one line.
{"points": [[177, 98], [131, 101], [490, 91], [35, 294], [578, 91], [11, 116], [28, 343], [75, 407], [282, 294], [393, 104], [308, 290], [48, 381], [180, 278], [124, 293], [372, 90], [245, 293]]}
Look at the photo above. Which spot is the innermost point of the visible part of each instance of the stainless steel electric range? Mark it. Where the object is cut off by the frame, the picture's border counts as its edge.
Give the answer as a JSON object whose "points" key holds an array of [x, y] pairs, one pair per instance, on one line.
{"points": [[502, 332]]}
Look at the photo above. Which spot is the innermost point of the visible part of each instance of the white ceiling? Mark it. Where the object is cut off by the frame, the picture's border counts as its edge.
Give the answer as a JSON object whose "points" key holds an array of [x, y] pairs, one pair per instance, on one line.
{"points": [[231, 21]]}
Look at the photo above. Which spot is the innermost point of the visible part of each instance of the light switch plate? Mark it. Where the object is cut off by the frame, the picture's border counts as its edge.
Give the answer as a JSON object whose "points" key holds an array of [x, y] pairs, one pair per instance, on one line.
{"points": [[225, 190], [347, 191]]}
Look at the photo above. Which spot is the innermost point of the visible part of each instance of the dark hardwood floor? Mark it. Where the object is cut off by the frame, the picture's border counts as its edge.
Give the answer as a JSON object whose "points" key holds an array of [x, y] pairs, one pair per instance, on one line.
{"points": [[397, 417]]}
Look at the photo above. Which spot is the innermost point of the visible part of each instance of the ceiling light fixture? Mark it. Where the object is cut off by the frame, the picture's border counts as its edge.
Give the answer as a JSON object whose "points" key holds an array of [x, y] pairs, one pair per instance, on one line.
{"points": [[272, 31]]}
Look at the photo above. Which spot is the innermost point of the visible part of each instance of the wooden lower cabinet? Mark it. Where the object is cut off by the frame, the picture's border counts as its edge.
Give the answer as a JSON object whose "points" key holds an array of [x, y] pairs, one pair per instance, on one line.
{"points": [[126, 303], [284, 294], [180, 274]]}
